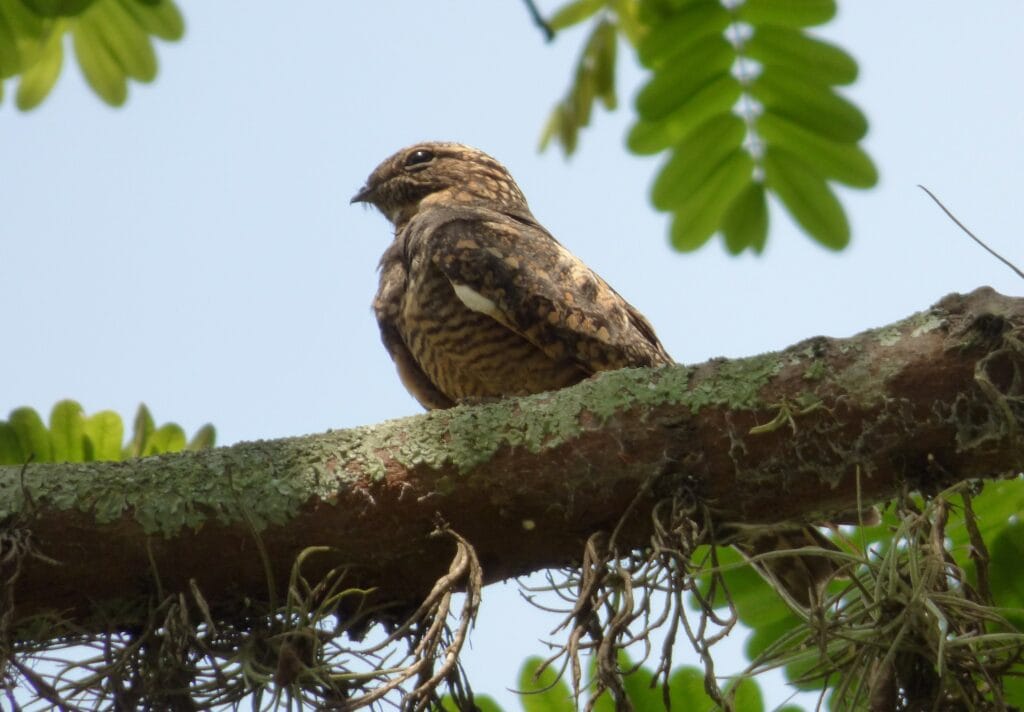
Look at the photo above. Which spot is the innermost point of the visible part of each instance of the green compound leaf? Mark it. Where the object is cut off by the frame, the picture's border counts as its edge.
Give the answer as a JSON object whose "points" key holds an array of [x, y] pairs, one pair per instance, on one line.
{"points": [[695, 158], [843, 162], [581, 101], [204, 438], [484, 703], [38, 79], [33, 437], [73, 437], [595, 78], [104, 432], [1006, 551], [1013, 690], [687, 689], [807, 197], [67, 432], [160, 19], [676, 83], [813, 105], [800, 53], [111, 47], [112, 40], [747, 696], [22, 34], [713, 98], [996, 508], [142, 429], [559, 126], [767, 632], [603, 52], [95, 56], [745, 223], [644, 696], [696, 220], [788, 13], [573, 13], [131, 45], [10, 59], [627, 18], [690, 24], [10, 446], [779, 80], [545, 693], [166, 438], [57, 8]]}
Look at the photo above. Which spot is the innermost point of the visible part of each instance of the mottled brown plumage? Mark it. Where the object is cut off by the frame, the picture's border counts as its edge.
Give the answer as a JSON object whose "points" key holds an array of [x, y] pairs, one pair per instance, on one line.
{"points": [[478, 301]]}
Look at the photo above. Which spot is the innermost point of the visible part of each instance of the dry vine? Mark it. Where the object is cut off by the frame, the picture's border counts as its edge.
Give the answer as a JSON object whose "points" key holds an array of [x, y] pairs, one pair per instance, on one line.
{"points": [[618, 598], [294, 657], [909, 630]]}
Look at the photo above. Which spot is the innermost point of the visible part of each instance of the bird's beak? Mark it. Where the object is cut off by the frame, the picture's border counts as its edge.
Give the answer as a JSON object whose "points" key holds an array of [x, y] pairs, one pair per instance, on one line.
{"points": [[363, 195]]}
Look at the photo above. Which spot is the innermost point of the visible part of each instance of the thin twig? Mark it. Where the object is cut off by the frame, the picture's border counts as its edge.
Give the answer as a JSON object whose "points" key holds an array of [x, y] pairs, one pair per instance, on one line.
{"points": [[539, 20], [971, 234], [979, 551]]}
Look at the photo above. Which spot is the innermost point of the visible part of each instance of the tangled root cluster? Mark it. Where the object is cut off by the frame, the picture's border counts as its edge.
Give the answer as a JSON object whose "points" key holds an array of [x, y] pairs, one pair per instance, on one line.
{"points": [[909, 630], [299, 655], [912, 630]]}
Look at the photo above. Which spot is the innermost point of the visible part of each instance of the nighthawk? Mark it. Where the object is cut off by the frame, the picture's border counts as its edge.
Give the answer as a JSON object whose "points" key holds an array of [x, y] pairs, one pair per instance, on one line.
{"points": [[478, 301]]}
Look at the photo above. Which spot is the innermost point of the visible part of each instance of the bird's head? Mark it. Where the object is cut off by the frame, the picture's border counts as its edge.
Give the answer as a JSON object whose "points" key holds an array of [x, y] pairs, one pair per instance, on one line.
{"points": [[442, 174]]}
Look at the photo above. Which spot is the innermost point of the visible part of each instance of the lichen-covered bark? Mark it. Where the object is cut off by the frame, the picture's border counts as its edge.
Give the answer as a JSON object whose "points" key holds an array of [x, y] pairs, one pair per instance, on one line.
{"points": [[934, 398]]}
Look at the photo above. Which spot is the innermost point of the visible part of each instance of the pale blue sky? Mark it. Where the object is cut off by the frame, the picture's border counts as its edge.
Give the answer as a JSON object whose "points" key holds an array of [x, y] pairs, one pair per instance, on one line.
{"points": [[196, 250]]}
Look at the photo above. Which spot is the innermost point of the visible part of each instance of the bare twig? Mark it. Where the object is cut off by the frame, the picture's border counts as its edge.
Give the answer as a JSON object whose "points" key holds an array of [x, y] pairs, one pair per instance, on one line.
{"points": [[971, 234], [979, 552], [539, 20]]}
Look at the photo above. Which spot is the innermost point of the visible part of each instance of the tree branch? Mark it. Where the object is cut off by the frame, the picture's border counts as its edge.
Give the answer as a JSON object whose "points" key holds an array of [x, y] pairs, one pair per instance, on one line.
{"points": [[929, 400]]}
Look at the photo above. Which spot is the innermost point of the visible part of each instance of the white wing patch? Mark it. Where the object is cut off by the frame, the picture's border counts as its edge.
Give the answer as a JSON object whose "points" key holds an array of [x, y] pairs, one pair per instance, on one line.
{"points": [[475, 301]]}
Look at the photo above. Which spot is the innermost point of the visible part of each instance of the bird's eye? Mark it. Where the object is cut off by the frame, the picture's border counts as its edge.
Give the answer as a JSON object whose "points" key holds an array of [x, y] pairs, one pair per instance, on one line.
{"points": [[419, 157]]}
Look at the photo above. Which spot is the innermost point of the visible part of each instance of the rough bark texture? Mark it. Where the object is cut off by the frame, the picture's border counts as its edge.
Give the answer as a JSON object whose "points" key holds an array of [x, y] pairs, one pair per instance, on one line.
{"points": [[934, 398]]}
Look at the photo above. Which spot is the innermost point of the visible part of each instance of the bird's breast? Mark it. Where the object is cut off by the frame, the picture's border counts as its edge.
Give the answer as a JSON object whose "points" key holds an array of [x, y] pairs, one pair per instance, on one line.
{"points": [[468, 354]]}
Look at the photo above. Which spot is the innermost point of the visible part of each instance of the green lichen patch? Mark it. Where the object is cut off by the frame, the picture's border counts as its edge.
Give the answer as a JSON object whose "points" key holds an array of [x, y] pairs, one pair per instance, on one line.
{"points": [[474, 434], [888, 337], [468, 436], [925, 322], [253, 482], [365, 451], [815, 371], [735, 384], [166, 493], [609, 393]]}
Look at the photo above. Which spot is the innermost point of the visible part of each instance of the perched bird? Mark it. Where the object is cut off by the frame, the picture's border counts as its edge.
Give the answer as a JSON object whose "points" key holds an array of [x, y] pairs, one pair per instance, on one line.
{"points": [[478, 301]]}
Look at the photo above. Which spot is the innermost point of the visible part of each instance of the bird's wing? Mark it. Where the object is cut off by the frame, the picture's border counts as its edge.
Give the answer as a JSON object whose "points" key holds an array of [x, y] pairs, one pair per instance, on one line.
{"points": [[511, 269], [386, 306]]}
